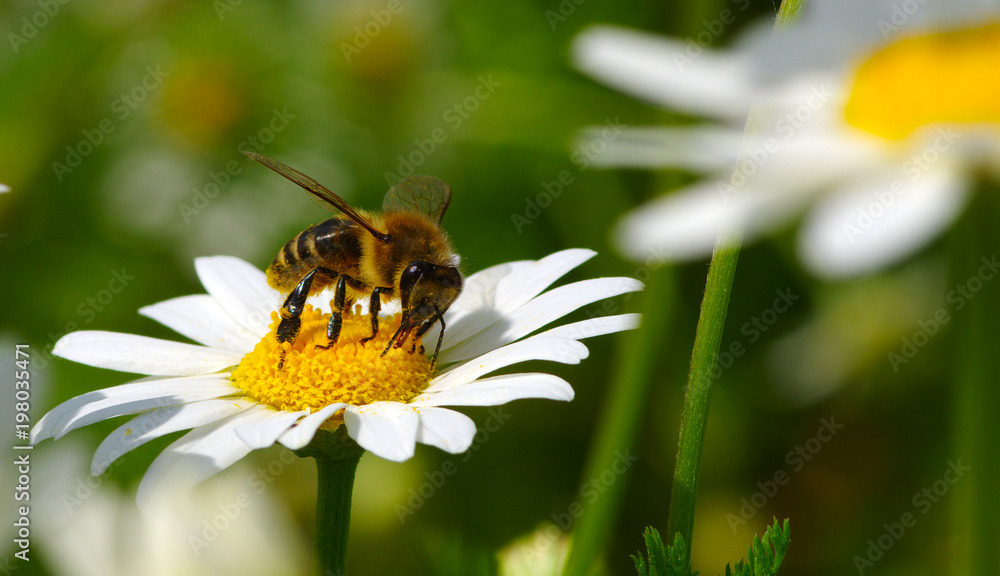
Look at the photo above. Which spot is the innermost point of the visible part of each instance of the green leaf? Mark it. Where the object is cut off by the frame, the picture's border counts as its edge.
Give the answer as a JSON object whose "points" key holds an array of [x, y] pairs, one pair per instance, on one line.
{"points": [[764, 555], [663, 560]]}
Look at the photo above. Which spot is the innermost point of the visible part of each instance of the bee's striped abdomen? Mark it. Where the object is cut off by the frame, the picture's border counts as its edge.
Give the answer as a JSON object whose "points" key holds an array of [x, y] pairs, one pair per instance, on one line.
{"points": [[330, 244]]}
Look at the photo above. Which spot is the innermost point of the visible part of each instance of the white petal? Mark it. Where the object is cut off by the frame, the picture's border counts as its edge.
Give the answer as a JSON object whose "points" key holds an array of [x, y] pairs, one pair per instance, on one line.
{"points": [[663, 71], [386, 429], [512, 291], [563, 350], [479, 288], [198, 454], [4, 188], [298, 436], [161, 422], [475, 305], [130, 398], [519, 287], [445, 429], [500, 390], [241, 289], [870, 226], [546, 308], [699, 148], [685, 224], [265, 433], [201, 319], [142, 355], [595, 327]]}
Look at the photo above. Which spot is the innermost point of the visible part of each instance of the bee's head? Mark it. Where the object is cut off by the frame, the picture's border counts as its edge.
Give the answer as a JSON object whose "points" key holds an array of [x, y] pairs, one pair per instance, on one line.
{"points": [[426, 290]]}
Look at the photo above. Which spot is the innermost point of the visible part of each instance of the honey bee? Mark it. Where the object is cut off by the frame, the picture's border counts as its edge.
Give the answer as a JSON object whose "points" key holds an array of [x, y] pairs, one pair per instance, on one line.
{"points": [[401, 251]]}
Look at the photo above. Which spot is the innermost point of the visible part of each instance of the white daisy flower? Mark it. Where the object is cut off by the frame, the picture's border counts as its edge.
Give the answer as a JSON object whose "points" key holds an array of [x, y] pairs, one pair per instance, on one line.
{"points": [[230, 392], [870, 114]]}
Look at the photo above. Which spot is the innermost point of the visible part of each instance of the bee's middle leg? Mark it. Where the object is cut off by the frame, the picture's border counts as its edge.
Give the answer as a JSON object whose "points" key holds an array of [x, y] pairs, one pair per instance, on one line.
{"points": [[337, 316], [374, 306]]}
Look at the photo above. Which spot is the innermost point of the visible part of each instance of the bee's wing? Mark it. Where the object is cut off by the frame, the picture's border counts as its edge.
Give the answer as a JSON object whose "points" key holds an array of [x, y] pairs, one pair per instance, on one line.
{"points": [[327, 198], [424, 194]]}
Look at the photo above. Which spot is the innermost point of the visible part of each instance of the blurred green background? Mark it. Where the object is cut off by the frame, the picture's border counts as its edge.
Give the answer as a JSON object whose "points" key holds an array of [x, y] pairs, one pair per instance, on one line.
{"points": [[121, 126]]}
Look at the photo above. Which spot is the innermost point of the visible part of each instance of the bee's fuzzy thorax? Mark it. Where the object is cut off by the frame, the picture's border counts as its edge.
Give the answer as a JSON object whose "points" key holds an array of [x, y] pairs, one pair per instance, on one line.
{"points": [[413, 237]]}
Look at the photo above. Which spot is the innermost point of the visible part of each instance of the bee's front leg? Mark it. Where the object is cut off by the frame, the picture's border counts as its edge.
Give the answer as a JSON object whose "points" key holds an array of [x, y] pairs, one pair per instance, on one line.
{"points": [[291, 310], [426, 326]]}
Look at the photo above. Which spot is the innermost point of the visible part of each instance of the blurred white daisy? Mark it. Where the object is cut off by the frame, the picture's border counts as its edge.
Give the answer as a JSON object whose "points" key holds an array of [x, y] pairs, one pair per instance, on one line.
{"points": [[872, 114], [89, 527], [231, 393], [4, 188]]}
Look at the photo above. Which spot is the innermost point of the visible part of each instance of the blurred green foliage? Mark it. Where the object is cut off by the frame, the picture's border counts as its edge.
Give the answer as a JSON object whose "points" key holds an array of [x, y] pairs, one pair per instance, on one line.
{"points": [[120, 131]]}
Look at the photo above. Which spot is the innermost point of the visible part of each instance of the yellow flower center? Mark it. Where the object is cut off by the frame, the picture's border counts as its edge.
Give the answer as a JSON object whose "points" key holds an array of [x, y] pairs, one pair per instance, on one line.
{"points": [[942, 77], [350, 372]]}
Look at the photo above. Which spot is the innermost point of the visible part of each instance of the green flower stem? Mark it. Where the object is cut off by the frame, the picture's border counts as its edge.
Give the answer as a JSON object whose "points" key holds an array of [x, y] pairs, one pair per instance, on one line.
{"points": [[708, 338], [337, 458], [695, 415], [619, 423], [976, 523]]}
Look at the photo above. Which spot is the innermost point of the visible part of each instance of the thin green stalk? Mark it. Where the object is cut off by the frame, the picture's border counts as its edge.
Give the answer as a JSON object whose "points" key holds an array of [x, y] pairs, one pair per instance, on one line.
{"points": [[695, 415], [337, 458], [976, 524], [619, 422], [708, 338]]}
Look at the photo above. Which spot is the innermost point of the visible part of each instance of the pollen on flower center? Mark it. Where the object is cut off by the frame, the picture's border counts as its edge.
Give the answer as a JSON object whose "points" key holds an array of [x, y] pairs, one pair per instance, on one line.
{"points": [[943, 77], [351, 372]]}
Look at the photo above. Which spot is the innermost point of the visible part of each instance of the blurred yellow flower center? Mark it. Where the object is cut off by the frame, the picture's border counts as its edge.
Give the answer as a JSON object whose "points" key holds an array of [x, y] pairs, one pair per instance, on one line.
{"points": [[944, 77], [312, 377]]}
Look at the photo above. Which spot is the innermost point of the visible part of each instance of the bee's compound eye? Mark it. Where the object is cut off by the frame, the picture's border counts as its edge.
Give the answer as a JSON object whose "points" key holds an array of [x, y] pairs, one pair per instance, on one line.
{"points": [[408, 279]]}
